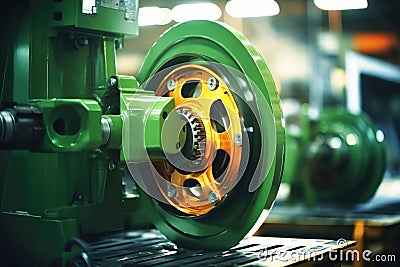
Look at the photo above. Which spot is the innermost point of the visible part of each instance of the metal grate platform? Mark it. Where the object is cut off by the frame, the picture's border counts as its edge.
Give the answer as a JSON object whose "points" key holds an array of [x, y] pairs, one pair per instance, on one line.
{"points": [[150, 248]]}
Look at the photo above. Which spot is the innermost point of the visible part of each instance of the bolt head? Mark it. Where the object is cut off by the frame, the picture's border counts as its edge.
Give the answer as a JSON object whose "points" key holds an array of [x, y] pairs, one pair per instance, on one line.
{"points": [[238, 139], [213, 198], [171, 191], [112, 82], [171, 84], [212, 83], [112, 165]]}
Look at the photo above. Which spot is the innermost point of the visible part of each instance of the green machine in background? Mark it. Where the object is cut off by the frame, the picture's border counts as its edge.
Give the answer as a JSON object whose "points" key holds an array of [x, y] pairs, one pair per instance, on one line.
{"points": [[194, 144], [337, 158]]}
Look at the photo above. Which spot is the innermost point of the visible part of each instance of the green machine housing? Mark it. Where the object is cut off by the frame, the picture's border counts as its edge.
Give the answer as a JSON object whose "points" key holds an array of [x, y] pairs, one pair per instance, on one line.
{"points": [[60, 107], [62, 115]]}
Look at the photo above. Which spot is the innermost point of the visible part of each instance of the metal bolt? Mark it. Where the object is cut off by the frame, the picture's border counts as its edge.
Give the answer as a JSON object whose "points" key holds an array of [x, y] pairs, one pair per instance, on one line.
{"points": [[124, 188], [81, 42], [213, 198], [112, 165], [171, 191], [112, 82], [105, 131], [171, 84], [118, 44], [212, 83], [79, 197], [238, 139]]}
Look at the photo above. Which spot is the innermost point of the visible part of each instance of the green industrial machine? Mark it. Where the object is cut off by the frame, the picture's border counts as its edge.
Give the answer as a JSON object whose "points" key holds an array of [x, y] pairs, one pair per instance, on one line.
{"points": [[193, 144], [337, 158]]}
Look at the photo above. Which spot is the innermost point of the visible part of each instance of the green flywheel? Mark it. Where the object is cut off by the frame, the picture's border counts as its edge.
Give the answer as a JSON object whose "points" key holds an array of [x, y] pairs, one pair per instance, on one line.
{"points": [[228, 169]]}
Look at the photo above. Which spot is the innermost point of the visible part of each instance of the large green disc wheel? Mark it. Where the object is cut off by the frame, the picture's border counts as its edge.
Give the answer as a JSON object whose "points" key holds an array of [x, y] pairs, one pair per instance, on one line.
{"points": [[227, 169]]}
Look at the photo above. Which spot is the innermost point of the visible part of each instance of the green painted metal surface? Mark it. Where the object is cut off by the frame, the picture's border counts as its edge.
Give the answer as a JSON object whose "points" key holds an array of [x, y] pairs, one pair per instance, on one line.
{"points": [[143, 140], [71, 124], [62, 64]]}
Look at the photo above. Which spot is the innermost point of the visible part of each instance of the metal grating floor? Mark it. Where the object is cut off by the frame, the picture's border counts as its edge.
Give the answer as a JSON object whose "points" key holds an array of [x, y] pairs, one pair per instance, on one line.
{"points": [[150, 248]]}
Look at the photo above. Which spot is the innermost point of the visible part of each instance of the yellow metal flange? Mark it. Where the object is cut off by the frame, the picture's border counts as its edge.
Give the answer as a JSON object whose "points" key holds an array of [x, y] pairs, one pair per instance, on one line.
{"points": [[200, 93]]}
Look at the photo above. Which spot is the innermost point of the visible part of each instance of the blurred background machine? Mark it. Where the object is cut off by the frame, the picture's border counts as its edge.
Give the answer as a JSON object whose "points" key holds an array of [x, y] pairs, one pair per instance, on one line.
{"points": [[326, 159], [193, 144], [339, 154], [341, 165]]}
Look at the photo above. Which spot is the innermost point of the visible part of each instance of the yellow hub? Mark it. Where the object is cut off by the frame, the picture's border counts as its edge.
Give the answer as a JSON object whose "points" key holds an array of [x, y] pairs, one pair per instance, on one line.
{"points": [[208, 105]]}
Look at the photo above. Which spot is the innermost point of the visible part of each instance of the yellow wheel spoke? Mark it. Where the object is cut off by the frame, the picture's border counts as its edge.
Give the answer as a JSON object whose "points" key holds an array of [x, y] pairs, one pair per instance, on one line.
{"points": [[225, 142], [200, 94]]}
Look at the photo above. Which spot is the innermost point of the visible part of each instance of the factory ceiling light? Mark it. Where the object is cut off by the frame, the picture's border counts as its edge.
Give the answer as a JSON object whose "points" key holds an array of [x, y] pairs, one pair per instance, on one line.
{"points": [[196, 11], [341, 4], [252, 8], [153, 15]]}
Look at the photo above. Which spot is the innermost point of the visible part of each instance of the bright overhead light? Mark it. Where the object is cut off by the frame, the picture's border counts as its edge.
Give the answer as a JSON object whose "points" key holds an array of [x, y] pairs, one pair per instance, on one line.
{"points": [[341, 4], [380, 136], [252, 8], [196, 11], [154, 15]]}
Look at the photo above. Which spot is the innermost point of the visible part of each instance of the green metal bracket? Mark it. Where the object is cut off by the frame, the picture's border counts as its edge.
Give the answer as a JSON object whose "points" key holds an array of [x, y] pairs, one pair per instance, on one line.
{"points": [[141, 120], [125, 83], [71, 124], [143, 140]]}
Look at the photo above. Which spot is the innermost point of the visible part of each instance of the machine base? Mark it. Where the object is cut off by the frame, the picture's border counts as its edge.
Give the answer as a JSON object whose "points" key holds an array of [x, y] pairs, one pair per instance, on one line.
{"points": [[150, 248]]}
